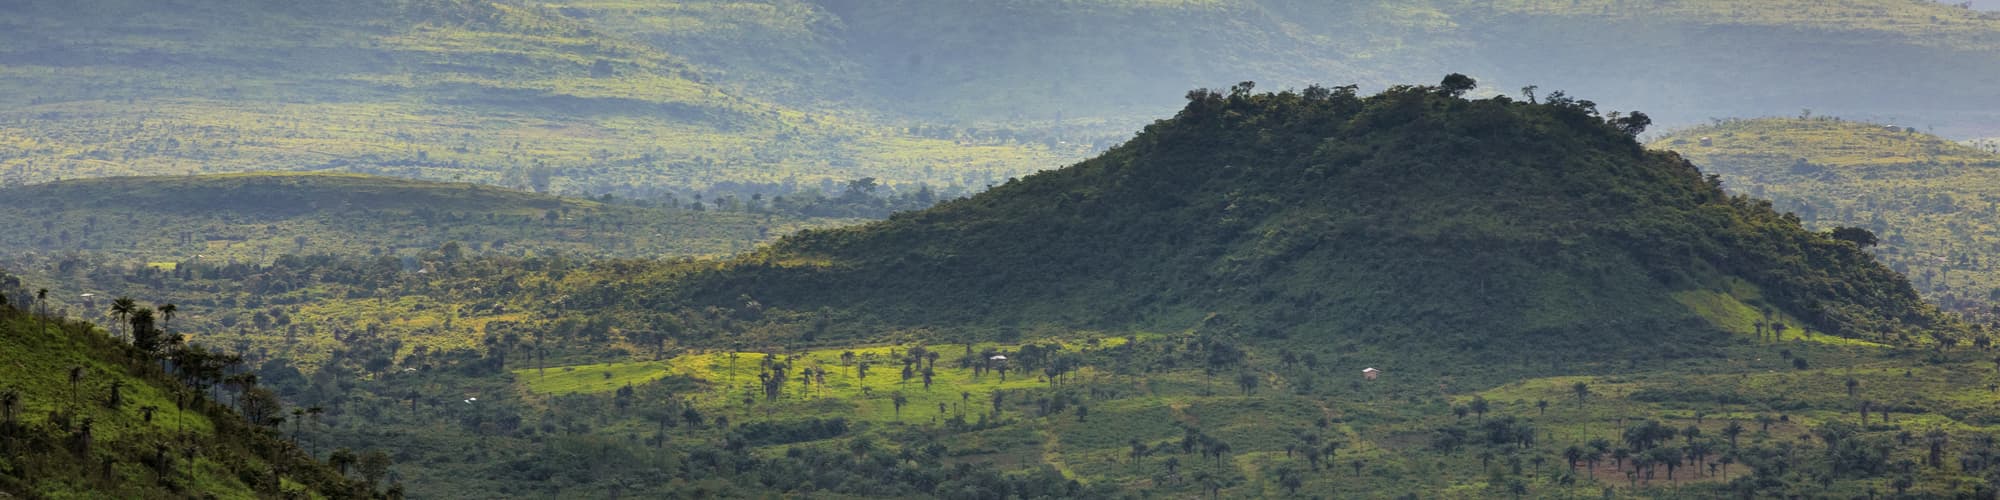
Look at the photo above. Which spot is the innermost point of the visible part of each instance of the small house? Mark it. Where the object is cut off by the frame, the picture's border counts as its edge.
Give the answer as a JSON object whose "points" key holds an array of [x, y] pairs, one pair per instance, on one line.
{"points": [[1370, 373]]}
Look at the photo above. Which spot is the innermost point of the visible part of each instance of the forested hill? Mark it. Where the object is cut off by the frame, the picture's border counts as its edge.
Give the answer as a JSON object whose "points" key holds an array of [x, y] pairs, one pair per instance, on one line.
{"points": [[1414, 218], [1931, 201], [84, 415]]}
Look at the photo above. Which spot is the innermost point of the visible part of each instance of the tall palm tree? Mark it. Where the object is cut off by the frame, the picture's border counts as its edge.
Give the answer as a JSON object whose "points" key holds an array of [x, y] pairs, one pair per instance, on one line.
{"points": [[122, 308], [75, 377], [167, 316], [42, 302], [9, 400]]}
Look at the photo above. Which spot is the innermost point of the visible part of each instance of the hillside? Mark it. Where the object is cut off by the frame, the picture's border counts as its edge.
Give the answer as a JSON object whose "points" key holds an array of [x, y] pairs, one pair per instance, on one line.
{"points": [[259, 216], [1410, 220], [486, 91], [86, 416], [1929, 199], [1094, 68]]}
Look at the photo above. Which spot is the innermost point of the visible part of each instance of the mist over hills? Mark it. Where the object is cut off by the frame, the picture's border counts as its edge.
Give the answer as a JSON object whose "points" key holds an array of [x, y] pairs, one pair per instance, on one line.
{"points": [[591, 97]]}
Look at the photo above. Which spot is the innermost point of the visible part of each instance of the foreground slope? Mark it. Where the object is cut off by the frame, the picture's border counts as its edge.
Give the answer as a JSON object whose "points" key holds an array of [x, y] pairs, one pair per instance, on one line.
{"points": [[262, 215], [1930, 200], [88, 416], [1413, 219]]}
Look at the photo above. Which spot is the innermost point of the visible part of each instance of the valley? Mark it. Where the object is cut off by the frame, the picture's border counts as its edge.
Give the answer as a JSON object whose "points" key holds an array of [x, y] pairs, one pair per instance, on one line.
{"points": [[999, 249]]}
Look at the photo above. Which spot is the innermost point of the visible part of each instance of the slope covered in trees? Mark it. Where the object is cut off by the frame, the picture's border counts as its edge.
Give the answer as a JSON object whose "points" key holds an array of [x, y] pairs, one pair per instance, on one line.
{"points": [[1929, 201], [84, 415], [1415, 219]]}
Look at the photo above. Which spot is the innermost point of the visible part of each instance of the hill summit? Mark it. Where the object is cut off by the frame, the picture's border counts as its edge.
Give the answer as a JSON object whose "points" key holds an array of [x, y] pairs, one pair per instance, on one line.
{"points": [[1413, 218]]}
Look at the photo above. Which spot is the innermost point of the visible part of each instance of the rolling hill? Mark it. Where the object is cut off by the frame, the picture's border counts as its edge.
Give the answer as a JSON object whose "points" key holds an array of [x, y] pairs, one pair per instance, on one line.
{"points": [[1930, 199], [1414, 220], [485, 91], [258, 216]]}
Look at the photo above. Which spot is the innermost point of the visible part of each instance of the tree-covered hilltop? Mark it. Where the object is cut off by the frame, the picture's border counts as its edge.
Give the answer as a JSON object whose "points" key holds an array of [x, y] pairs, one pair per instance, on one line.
{"points": [[87, 415], [1929, 200], [1414, 218]]}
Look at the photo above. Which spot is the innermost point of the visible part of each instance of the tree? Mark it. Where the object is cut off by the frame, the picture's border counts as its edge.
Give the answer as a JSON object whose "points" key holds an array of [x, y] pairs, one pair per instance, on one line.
{"points": [[1479, 407], [1732, 430], [122, 308], [145, 335], [860, 447], [1860, 237], [1456, 85], [899, 400], [167, 316], [1632, 124], [75, 377], [1582, 391], [1288, 478], [1851, 385], [1542, 406], [997, 399], [341, 459], [1248, 382], [374, 465], [9, 401]]}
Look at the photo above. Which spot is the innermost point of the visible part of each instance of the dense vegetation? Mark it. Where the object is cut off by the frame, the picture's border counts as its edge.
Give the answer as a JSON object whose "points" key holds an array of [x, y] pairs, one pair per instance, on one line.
{"points": [[1558, 311], [1926, 198], [88, 415]]}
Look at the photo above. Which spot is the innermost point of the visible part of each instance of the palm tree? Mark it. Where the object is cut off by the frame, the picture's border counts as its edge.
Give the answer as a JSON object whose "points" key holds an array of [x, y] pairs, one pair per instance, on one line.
{"points": [[122, 307], [341, 460], [42, 302], [167, 317], [9, 400], [75, 377], [1582, 391], [1732, 430], [899, 400], [1480, 407]]}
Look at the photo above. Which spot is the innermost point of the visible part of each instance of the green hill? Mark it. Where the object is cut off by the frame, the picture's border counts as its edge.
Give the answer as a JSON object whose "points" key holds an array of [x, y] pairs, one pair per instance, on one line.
{"points": [[490, 91], [1411, 220], [259, 216], [87, 416], [1929, 199]]}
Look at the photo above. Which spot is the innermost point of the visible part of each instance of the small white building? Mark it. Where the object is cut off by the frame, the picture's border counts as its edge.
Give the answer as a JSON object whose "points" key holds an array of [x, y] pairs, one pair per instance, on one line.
{"points": [[1370, 373]]}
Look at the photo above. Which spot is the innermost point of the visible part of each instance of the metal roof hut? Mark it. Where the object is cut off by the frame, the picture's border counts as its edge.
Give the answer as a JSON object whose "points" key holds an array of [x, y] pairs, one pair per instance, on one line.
{"points": [[1370, 373]]}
